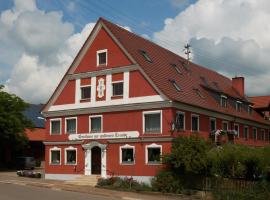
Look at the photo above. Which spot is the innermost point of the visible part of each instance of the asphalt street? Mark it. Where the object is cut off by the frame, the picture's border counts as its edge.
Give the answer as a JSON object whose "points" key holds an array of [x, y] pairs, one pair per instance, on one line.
{"points": [[22, 192]]}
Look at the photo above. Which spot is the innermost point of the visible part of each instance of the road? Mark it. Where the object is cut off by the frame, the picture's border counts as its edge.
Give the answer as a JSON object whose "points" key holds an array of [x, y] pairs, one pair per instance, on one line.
{"points": [[22, 192]]}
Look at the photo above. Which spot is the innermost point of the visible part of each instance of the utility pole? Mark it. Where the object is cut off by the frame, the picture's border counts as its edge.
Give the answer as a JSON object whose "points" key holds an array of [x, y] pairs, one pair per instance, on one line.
{"points": [[187, 52]]}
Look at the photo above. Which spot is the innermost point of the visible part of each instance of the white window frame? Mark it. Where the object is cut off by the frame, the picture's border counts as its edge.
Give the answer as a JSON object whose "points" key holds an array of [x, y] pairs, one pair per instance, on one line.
{"points": [[214, 119], [198, 116], [112, 88], [56, 119], [247, 132], [225, 122], [238, 133], [126, 146], [67, 118], [95, 116], [73, 149], [102, 51], [250, 109], [83, 86], [153, 145], [263, 131], [184, 114], [238, 106], [54, 149], [254, 128], [152, 112], [220, 103]]}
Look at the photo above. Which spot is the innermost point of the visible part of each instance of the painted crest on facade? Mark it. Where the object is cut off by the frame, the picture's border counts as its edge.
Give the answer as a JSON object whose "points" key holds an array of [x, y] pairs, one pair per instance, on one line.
{"points": [[100, 88]]}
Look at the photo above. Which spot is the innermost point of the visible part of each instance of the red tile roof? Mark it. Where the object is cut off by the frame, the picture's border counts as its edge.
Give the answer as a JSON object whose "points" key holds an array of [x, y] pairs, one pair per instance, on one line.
{"points": [[260, 101], [160, 71], [37, 134]]}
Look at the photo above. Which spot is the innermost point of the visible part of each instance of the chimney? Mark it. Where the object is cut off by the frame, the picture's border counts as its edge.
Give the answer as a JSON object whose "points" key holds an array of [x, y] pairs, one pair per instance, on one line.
{"points": [[238, 83]]}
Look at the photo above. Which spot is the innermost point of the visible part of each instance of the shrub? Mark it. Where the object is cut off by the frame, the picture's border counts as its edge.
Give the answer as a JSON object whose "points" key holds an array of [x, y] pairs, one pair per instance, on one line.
{"points": [[188, 155]]}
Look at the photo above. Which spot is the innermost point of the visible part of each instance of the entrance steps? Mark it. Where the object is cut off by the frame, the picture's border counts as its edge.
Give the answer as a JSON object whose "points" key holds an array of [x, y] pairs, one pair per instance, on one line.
{"points": [[90, 180]]}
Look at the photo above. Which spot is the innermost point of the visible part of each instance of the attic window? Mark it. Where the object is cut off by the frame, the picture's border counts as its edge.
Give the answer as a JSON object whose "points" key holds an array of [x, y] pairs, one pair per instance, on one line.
{"points": [[175, 85], [102, 57], [204, 81], [250, 108], [198, 92], [217, 86], [238, 106], [146, 56], [223, 101], [185, 65], [176, 68]]}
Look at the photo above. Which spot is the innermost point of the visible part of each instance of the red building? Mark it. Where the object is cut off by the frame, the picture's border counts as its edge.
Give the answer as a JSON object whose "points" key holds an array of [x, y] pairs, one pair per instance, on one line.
{"points": [[124, 99]]}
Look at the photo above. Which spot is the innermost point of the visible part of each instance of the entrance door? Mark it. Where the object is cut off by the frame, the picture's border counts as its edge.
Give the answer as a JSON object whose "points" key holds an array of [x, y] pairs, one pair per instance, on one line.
{"points": [[96, 160]]}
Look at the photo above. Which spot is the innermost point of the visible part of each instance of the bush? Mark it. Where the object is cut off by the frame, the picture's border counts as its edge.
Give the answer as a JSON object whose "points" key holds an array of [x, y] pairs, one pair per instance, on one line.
{"points": [[166, 182], [188, 155], [123, 184]]}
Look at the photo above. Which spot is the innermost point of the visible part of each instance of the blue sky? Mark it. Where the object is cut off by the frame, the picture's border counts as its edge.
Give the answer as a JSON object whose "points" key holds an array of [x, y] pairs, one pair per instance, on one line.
{"points": [[40, 38]]}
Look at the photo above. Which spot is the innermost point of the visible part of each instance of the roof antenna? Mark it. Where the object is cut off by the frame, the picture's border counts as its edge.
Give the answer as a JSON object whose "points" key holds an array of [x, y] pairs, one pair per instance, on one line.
{"points": [[187, 52]]}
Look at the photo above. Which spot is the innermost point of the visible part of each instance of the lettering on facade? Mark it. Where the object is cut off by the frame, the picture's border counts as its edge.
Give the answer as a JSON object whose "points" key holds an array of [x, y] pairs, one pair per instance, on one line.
{"points": [[109, 135], [100, 88]]}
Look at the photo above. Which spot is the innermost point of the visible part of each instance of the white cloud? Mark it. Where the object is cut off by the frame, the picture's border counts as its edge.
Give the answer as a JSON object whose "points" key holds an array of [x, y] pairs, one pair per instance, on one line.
{"points": [[230, 36], [40, 46]]}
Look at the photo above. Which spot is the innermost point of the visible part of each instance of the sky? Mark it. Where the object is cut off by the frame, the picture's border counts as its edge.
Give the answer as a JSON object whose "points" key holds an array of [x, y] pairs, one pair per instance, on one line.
{"points": [[40, 38]]}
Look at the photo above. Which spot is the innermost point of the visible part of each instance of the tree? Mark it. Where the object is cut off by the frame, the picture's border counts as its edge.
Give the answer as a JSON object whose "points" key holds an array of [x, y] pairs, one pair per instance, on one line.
{"points": [[12, 125], [188, 155]]}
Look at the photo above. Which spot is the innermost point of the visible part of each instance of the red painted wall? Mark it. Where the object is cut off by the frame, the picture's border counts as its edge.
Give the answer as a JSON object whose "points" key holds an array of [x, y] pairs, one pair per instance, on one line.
{"points": [[139, 86], [116, 57], [140, 168], [63, 168], [67, 96]]}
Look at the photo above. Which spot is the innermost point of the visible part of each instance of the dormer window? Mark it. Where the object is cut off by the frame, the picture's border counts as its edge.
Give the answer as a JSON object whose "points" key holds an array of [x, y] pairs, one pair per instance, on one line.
{"points": [[250, 110], [102, 57], [238, 106], [223, 101]]}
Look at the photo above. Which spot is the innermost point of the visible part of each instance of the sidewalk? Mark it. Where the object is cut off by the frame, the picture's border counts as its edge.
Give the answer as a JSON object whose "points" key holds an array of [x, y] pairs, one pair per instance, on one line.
{"points": [[12, 178]]}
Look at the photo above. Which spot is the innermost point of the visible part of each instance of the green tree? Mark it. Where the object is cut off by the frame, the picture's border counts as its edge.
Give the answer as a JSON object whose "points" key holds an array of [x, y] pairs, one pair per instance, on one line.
{"points": [[12, 126], [188, 155]]}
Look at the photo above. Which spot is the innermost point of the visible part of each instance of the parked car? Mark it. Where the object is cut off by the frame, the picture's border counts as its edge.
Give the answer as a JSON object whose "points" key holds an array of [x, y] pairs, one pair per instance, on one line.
{"points": [[25, 163]]}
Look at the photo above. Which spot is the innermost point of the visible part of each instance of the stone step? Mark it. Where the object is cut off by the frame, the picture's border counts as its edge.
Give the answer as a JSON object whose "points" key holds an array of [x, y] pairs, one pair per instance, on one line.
{"points": [[84, 180]]}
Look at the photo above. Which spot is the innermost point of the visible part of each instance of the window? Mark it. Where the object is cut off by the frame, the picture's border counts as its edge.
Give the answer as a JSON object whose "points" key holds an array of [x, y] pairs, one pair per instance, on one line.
{"points": [[71, 125], [176, 86], [195, 123], [86, 92], [146, 56], [55, 156], [238, 106], [223, 101], [117, 89], [152, 122], [127, 154], [254, 131], [236, 128], [180, 121], [96, 123], [262, 134], [153, 154], [198, 92], [71, 156], [212, 124], [102, 57], [246, 132], [55, 126], [250, 110], [225, 126], [176, 68]]}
